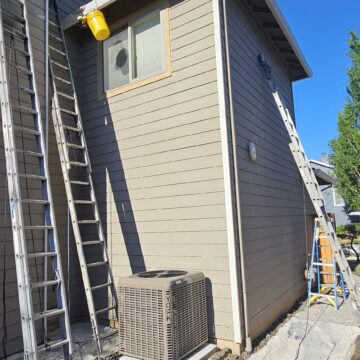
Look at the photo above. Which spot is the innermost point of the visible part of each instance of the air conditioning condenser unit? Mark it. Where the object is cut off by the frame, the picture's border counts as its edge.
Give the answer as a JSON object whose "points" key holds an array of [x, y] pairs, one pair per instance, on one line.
{"points": [[162, 314]]}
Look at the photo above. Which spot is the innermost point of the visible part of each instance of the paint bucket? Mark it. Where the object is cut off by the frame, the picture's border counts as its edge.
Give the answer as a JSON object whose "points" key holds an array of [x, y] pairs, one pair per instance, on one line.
{"points": [[95, 20]]}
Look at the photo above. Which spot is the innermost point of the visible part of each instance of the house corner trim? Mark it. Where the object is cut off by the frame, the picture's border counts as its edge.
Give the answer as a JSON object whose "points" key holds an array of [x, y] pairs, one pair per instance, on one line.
{"points": [[234, 266]]}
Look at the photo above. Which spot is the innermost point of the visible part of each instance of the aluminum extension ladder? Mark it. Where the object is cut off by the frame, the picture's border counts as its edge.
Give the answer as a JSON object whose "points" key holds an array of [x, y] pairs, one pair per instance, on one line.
{"points": [[25, 148], [312, 186], [75, 163], [323, 274]]}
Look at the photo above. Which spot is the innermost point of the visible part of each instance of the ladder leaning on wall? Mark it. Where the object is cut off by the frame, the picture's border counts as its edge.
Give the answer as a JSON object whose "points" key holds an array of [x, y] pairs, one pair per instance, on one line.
{"points": [[312, 186], [75, 164], [33, 222]]}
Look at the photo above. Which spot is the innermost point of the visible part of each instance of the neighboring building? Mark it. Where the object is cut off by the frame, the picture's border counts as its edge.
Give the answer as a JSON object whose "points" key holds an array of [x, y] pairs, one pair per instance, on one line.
{"points": [[333, 201], [155, 106]]}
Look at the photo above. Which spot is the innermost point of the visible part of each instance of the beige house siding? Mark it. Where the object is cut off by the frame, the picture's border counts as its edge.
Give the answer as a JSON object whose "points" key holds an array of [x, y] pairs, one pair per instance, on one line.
{"points": [[157, 163], [14, 336], [271, 197]]}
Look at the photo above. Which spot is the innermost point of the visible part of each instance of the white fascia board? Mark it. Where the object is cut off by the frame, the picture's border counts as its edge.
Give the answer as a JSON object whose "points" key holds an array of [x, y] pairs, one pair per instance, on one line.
{"points": [[284, 26], [230, 226], [322, 164], [83, 10]]}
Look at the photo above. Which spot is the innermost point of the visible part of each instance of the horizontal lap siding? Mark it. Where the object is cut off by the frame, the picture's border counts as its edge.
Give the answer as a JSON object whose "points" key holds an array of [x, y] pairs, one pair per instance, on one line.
{"points": [[157, 164], [14, 335], [270, 188]]}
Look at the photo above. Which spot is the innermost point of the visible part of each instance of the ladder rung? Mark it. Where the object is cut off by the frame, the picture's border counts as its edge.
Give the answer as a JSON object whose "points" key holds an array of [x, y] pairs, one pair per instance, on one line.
{"points": [[323, 264], [32, 176], [21, 69], [42, 254], [84, 202], [83, 222], [18, 18], [80, 183], [30, 153], [26, 90], [54, 344], [38, 227], [15, 33], [105, 309], [21, 51], [36, 201], [27, 130], [54, 24], [102, 286], [75, 146], [55, 37], [71, 128], [92, 242], [56, 63], [67, 82], [323, 295], [95, 264], [45, 283], [24, 109], [328, 273], [57, 50], [73, 113], [108, 334], [48, 313], [66, 96], [79, 164]]}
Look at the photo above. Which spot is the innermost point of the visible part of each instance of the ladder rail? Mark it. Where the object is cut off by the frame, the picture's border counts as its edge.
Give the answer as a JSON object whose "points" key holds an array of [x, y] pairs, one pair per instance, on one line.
{"points": [[54, 241], [64, 148], [25, 285], [16, 210], [311, 184], [74, 222]]}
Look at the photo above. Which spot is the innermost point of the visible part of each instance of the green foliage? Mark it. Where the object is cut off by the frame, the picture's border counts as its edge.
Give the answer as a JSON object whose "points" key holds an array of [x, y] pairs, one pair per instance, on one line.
{"points": [[345, 150], [348, 229]]}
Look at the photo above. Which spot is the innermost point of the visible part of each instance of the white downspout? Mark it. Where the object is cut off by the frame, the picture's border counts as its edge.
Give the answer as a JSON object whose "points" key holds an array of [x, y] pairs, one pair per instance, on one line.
{"points": [[231, 238]]}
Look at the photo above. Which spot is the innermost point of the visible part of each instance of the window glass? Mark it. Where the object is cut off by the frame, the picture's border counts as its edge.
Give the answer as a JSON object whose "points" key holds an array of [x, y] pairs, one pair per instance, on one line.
{"points": [[148, 46], [116, 60]]}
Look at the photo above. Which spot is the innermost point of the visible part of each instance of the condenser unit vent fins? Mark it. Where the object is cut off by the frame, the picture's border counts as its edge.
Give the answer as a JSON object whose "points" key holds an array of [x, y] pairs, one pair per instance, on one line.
{"points": [[162, 315]]}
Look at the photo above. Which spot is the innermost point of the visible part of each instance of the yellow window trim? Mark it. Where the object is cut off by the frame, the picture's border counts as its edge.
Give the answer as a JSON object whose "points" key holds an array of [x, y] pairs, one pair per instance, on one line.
{"points": [[144, 81]]}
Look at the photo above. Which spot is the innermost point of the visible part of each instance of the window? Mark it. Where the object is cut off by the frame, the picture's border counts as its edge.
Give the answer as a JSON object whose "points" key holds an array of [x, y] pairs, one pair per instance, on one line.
{"points": [[338, 200], [136, 52]]}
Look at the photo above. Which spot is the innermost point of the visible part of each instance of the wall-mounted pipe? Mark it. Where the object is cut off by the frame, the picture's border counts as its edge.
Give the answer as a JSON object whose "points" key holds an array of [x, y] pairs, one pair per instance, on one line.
{"points": [[248, 341]]}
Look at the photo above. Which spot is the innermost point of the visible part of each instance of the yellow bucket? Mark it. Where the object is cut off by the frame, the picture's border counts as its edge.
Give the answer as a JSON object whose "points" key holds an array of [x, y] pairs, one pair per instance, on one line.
{"points": [[95, 20]]}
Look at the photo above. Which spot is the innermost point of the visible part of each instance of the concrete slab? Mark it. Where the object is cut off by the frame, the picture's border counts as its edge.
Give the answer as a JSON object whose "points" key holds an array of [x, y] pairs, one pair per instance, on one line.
{"points": [[319, 332], [85, 348], [203, 353]]}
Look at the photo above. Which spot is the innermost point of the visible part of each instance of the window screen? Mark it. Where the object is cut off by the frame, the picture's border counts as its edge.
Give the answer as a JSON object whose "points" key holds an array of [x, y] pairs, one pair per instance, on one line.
{"points": [[136, 52], [116, 60], [148, 46]]}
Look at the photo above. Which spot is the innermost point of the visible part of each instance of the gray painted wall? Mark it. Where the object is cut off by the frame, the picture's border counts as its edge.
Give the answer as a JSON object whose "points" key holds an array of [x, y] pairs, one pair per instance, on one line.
{"points": [[271, 194]]}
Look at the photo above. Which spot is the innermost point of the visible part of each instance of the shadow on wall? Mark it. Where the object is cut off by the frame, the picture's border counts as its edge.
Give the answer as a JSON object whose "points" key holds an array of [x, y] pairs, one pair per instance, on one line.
{"points": [[113, 167], [210, 309], [114, 206]]}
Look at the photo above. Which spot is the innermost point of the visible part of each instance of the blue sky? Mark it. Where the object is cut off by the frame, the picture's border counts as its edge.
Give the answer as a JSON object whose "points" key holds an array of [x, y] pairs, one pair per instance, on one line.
{"points": [[321, 29]]}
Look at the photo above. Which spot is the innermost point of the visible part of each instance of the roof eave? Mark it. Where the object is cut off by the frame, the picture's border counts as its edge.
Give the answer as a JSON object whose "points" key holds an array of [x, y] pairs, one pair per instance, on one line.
{"points": [[74, 18], [83, 10], [280, 19]]}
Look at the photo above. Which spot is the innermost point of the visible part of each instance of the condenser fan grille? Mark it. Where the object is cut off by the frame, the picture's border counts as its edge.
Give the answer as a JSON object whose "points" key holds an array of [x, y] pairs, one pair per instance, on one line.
{"points": [[162, 315]]}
